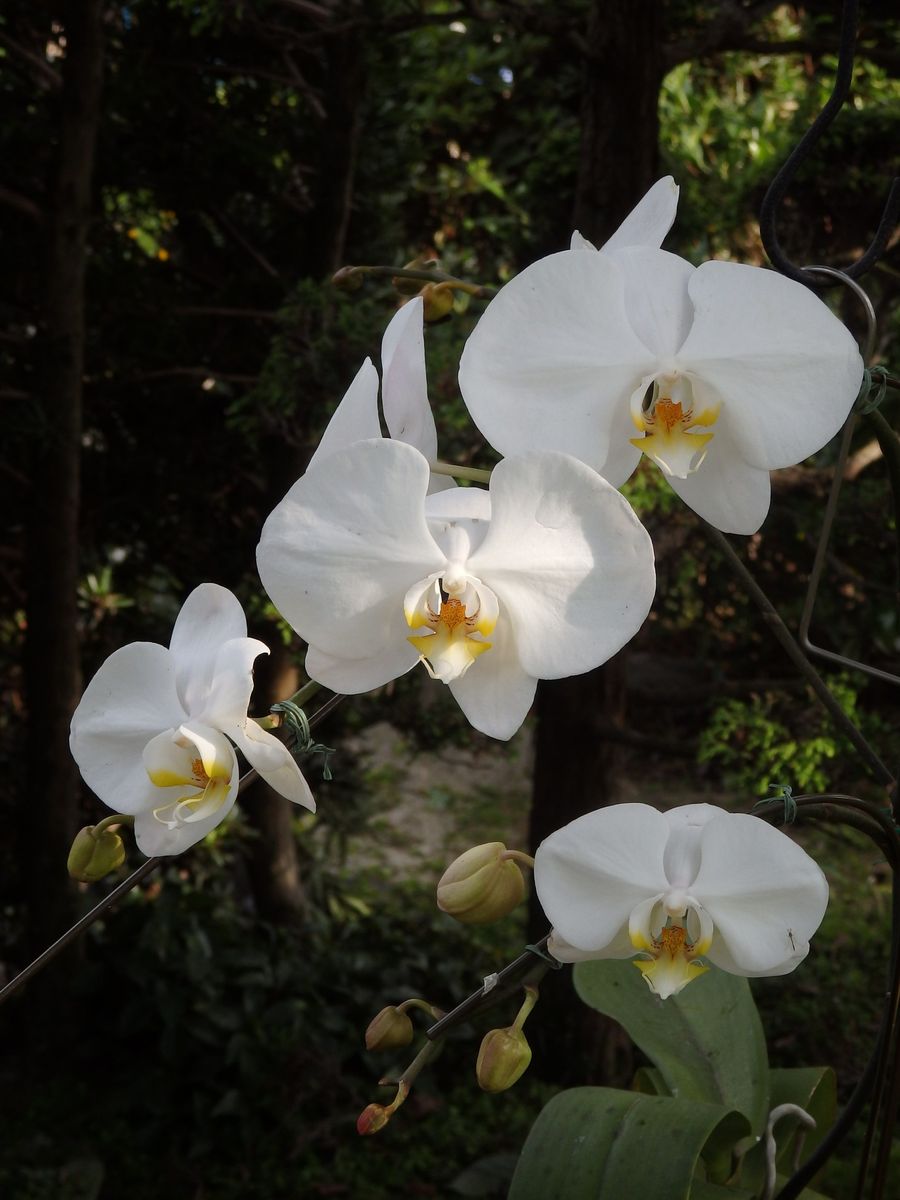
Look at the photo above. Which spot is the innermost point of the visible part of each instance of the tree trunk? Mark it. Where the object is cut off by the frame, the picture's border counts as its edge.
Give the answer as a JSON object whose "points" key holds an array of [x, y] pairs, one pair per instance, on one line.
{"points": [[574, 763], [273, 867], [52, 673]]}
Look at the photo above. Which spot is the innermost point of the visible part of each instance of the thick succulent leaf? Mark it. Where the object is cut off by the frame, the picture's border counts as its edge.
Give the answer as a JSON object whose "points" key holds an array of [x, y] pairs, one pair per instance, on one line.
{"points": [[599, 1143], [703, 1189], [650, 1082], [707, 1041]]}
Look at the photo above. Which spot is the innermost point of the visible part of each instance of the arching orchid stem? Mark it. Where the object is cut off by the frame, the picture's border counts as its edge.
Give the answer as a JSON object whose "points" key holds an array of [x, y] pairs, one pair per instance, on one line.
{"points": [[423, 1005], [137, 876], [518, 856], [345, 274], [858, 814], [528, 968], [111, 820], [531, 999], [472, 474], [300, 697], [789, 644]]}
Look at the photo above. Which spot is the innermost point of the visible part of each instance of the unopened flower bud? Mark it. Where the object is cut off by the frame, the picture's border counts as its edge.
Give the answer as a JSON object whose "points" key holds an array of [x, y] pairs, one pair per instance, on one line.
{"points": [[372, 1118], [94, 855], [389, 1030], [348, 279], [502, 1059], [437, 302], [481, 885], [412, 287]]}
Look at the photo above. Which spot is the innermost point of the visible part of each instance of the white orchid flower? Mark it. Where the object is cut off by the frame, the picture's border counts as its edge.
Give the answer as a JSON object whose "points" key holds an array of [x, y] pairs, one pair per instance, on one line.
{"points": [[153, 732], [546, 575], [404, 396], [724, 372], [695, 882]]}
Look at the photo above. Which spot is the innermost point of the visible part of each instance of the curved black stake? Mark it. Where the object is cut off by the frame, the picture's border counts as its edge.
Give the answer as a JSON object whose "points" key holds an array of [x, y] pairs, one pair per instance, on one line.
{"points": [[779, 186]]}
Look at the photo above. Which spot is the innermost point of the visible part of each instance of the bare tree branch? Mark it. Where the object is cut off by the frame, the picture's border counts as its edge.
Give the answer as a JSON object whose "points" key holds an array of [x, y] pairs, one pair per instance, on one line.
{"points": [[42, 73], [21, 203]]}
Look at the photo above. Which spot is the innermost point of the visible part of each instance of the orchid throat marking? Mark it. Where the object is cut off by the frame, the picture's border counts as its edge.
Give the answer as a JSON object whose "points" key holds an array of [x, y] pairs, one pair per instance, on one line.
{"points": [[665, 417], [458, 614]]}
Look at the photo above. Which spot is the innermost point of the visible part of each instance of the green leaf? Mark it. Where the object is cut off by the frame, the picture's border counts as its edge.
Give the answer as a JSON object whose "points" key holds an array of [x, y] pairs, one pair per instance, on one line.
{"points": [[650, 1081], [488, 1176], [592, 1143], [702, 1189], [707, 1042]]}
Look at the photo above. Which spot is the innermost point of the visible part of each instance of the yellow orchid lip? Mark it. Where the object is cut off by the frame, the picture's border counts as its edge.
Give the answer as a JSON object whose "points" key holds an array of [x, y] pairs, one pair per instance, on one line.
{"points": [[668, 427], [457, 621], [672, 964]]}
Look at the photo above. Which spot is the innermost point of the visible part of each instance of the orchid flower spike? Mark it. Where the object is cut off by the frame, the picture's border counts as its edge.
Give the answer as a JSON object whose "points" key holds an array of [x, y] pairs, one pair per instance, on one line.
{"points": [[718, 373], [546, 575], [153, 732], [404, 396], [692, 883]]}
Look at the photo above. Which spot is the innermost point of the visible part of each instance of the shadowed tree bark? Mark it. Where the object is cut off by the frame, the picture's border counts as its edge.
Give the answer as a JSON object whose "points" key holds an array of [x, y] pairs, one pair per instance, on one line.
{"points": [[52, 676], [273, 866], [574, 762]]}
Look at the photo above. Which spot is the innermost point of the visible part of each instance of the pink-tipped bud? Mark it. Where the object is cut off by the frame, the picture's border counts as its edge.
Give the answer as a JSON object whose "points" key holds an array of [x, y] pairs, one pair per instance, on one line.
{"points": [[372, 1118], [94, 855], [481, 885], [391, 1029], [503, 1058]]}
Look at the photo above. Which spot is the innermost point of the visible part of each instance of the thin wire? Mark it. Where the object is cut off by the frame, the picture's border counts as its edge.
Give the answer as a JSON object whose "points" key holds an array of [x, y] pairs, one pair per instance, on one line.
{"points": [[779, 186], [800, 661], [126, 886]]}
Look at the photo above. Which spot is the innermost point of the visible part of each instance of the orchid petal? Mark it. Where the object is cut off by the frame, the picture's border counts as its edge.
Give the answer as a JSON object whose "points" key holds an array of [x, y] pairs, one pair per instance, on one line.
{"points": [[156, 836], [232, 681], [719, 955], [656, 297], [495, 693], [340, 551], [404, 389], [786, 368], [130, 700], [682, 858], [726, 490], [570, 563], [356, 417], [766, 896], [650, 220], [553, 358], [210, 616], [457, 503], [213, 747], [274, 762], [354, 675], [579, 242], [562, 951], [591, 874]]}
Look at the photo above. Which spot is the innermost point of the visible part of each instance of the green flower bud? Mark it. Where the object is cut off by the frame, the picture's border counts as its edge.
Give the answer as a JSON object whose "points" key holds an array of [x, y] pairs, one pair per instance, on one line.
{"points": [[348, 279], [94, 855], [389, 1030], [412, 287], [437, 301], [481, 885], [502, 1059]]}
